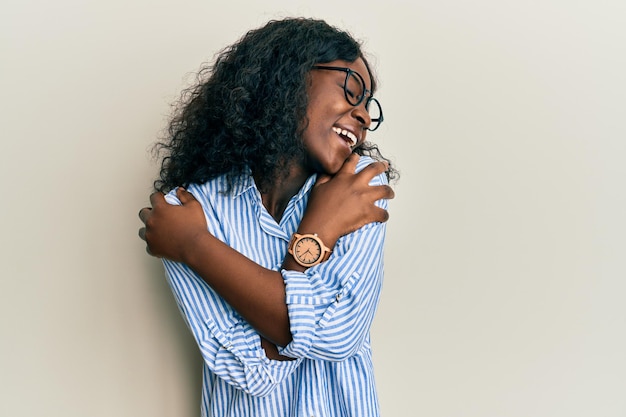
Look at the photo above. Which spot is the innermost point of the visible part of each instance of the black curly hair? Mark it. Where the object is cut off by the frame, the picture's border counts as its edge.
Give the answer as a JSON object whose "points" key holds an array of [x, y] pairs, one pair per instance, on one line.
{"points": [[248, 109]]}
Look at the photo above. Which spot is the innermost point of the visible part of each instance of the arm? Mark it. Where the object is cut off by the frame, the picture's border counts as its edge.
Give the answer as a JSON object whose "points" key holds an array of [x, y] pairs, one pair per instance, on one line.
{"points": [[332, 305], [257, 293], [230, 347]]}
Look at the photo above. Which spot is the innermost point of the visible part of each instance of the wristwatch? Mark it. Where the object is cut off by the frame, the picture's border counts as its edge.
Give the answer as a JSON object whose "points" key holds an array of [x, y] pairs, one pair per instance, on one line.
{"points": [[308, 249]]}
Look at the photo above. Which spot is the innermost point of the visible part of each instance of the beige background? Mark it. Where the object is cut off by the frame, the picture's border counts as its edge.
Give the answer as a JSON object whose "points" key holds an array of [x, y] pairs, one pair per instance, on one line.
{"points": [[504, 292]]}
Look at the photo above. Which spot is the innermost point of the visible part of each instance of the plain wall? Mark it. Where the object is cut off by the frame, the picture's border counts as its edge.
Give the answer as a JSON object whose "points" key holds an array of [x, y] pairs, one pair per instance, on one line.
{"points": [[505, 259]]}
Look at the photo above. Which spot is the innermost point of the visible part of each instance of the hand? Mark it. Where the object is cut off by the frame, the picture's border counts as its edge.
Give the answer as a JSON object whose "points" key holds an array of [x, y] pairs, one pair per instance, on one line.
{"points": [[343, 203], [170, 229], [271, 351]]}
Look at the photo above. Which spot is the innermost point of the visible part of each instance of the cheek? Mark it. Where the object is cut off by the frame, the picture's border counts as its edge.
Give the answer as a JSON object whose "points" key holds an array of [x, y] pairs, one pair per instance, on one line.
{"points": [[318, 118]]}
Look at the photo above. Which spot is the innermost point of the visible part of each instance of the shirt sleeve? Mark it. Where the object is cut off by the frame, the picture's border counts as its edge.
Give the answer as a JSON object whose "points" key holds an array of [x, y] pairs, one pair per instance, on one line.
{"points": [[230, 347], [332, 305]]}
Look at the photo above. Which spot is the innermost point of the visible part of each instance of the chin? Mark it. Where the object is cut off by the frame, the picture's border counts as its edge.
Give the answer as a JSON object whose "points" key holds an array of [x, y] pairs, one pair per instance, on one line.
{"points": [[330, 166], [332, 169]]}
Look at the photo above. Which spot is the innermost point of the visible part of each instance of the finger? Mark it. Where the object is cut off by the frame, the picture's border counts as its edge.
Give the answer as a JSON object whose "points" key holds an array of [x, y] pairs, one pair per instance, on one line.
{"points": [[144, 213], [157, 199], [184, 196], [349, 166], [380, 192], [322, 178], [374, 169], [381, 215], [385, 191], [150, 253]]}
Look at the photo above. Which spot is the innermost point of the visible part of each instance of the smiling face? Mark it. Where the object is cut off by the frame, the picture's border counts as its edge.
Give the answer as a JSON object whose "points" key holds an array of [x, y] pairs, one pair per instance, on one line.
{"points": [[335, 127]]}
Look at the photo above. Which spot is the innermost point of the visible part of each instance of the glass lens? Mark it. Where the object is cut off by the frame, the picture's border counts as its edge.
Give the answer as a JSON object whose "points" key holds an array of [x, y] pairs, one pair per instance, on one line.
{"points": [[354, 88], [375, 111]]}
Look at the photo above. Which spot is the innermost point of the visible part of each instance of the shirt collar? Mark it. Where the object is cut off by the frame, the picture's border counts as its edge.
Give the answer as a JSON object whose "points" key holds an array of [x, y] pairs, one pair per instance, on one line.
{"points": [[243, 184], [246, 182], [306, 187]]}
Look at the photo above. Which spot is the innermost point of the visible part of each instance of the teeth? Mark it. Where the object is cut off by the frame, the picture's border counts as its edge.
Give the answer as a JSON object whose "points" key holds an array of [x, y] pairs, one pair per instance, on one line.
{"points": [[348, 134]]}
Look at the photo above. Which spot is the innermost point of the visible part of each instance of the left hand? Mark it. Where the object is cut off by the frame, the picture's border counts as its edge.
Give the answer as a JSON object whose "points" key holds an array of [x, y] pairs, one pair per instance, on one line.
{"points": [[271, 351], [170, 229], [350, 199]]}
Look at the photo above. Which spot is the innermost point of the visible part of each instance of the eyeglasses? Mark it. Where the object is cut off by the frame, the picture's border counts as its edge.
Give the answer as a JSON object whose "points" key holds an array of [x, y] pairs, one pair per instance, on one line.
{"points": [[355, 92]]}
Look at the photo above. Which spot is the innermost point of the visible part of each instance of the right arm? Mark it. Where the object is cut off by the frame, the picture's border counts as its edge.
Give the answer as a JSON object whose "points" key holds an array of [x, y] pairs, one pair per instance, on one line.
{"points": [[337, 206]]}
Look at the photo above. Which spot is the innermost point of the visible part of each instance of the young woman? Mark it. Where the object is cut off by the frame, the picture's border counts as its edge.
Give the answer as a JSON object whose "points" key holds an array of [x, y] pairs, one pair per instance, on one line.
{"points": [[274, 250]]}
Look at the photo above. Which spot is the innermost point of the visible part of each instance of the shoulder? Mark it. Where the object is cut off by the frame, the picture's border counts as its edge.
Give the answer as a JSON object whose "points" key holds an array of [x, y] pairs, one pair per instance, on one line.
{"points": [[205, 193], [365, 161]]}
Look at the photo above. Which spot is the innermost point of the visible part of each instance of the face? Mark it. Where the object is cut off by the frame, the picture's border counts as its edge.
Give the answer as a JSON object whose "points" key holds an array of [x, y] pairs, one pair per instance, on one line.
{"points": [[335, 127]]}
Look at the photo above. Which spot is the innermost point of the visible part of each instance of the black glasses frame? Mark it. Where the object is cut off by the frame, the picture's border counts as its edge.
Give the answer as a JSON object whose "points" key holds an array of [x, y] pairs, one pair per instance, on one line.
{"points": [[359, 99]]}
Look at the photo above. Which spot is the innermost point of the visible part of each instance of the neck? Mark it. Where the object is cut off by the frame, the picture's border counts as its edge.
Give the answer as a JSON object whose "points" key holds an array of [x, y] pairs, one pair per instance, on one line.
{"points": [[276, 197]]}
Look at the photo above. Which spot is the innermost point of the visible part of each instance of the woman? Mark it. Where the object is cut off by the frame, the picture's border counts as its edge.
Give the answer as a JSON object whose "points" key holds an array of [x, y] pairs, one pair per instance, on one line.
{"points": [[274, 251]]}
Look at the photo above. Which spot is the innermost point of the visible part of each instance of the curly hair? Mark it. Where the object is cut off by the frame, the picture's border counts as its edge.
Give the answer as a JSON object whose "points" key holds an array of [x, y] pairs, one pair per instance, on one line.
{"points": [[248, 110]]}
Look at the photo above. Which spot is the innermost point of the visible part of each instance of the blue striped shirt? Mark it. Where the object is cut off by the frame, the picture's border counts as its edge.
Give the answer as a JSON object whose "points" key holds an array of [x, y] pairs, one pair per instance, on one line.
{"points": [[331, 307]]}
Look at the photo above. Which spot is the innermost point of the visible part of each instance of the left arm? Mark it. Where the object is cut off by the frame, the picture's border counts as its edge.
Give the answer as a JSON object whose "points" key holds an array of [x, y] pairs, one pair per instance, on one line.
{"points": [[258, 294], [331, 306]]}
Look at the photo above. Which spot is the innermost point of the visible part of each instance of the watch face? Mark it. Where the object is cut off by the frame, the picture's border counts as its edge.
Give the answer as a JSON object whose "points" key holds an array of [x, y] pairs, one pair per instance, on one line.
{"points": [[307, 250]]}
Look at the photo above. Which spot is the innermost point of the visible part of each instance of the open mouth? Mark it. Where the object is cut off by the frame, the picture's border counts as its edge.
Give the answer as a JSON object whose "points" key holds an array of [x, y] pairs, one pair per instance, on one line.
{"points": [[347, 136]]}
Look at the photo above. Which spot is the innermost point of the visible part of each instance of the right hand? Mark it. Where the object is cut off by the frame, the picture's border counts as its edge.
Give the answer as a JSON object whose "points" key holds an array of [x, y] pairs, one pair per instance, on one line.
{"points": [[170, 229], [345, 202], [271, 351]]}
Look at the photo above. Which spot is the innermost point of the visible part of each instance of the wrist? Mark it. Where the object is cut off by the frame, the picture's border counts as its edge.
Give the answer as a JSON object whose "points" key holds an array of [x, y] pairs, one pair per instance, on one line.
{"points": [[308, 249], [193, 250], [322, 231]]}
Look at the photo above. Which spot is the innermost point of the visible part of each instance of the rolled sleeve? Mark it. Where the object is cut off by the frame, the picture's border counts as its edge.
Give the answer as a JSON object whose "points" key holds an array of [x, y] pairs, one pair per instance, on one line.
{"points": [[229, 345], [301, 310]]}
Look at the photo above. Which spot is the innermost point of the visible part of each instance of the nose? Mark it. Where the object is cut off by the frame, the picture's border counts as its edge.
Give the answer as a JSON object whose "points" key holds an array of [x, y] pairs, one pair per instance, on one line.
{"points": [[362, 115]]}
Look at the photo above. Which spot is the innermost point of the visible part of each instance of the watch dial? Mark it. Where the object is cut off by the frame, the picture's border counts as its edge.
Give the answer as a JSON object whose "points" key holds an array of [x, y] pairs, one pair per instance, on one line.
{"points": [[308, 250]]}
